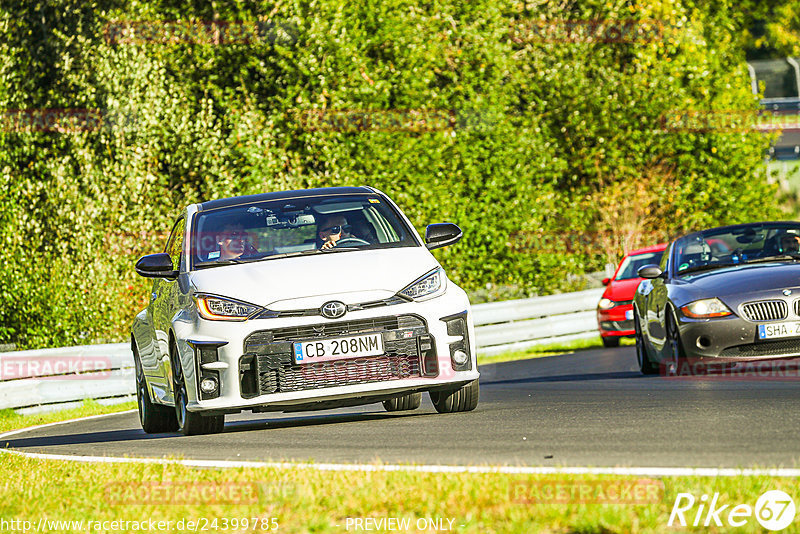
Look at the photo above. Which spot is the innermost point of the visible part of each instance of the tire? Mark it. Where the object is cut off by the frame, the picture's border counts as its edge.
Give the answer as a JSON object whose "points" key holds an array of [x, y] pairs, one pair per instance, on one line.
{"points": [[190, 423], [646, 366], [404, 402], [677, 364], [155, 418], [463, 399], [610, 342]]}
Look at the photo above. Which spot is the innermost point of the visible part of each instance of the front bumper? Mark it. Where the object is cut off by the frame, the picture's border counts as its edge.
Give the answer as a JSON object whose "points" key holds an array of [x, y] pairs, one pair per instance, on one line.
{"points": [[255, 370], [616, 321], [732, 339]]}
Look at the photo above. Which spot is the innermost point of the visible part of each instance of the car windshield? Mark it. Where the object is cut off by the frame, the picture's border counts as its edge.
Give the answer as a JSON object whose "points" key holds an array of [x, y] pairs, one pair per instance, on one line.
{"points": [[725, 247], [631, 264], [279, 228]]}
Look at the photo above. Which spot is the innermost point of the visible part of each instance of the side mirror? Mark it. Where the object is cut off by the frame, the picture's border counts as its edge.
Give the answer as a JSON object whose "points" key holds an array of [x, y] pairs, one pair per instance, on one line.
{"points": [[650, 272], [606, 281], [441, 234], [156, 266]]}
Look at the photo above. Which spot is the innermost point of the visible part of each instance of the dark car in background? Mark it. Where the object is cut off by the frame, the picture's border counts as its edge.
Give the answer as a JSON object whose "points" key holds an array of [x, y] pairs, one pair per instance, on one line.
{"points": [[615, 309], [723, 295]]}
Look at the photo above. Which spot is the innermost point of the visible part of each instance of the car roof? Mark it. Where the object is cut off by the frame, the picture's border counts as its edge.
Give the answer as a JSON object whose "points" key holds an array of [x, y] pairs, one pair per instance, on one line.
{"points": [[653, 248], [283, 195]]}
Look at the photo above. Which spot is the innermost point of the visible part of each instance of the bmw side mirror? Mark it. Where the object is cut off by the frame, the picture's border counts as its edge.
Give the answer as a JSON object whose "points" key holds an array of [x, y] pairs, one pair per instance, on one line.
{"points": [[650, 272], [606, 281], [441, 234], [156, 266]]}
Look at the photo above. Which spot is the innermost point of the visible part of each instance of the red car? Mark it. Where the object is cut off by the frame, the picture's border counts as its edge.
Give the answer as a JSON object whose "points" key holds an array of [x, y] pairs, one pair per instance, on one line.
{"points": [[615, 309]]}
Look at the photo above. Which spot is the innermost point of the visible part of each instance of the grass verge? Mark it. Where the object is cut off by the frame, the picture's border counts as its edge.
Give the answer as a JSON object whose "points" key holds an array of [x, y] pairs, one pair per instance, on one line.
{"points": [[552, 349], [168, 497]]}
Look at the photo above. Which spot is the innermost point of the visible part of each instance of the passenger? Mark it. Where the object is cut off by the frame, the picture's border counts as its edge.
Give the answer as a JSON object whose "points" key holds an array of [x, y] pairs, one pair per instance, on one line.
{"points": [[790, 244], [331, 230]]}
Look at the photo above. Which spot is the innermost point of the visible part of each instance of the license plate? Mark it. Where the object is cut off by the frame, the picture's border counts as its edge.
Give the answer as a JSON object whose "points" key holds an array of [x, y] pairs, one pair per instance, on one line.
{"points": [[767, 331], [628, 315], [325, 350]]}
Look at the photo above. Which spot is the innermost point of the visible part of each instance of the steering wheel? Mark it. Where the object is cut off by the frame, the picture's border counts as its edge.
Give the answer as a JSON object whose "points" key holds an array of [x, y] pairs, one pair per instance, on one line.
{"points": [[350, 241]]}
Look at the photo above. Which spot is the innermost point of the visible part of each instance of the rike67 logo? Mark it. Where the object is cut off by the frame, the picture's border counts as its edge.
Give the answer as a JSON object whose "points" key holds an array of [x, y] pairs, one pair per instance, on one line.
{"points": [[774, 510]]}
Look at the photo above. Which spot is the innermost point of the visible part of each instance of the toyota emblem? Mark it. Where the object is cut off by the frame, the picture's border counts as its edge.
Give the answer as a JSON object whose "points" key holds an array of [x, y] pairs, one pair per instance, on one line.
{"points": [[333, 309]]}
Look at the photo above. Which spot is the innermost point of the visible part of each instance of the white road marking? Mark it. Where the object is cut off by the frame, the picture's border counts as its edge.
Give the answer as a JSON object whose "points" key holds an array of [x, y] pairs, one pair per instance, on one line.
{"points": [[520, 470]]}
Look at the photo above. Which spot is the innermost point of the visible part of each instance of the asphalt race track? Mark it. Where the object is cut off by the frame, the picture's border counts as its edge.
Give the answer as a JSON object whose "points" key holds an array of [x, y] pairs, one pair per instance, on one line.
{"points": [[590, 409]]}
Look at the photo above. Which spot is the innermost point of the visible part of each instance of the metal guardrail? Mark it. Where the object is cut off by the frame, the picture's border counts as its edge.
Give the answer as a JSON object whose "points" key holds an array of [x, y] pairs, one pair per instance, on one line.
{"points": [[520, 324], [37, 380]]}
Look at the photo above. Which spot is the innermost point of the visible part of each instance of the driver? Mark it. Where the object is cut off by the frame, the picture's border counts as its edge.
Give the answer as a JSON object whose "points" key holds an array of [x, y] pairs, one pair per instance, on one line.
{"points": [[331, 230], [790, 244]]}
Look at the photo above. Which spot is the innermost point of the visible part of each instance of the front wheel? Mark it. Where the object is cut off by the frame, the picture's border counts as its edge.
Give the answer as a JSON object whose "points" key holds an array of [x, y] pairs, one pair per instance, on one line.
{"points": [[678, 363], [191, 423], [154, 418], [610, 342], [404, 402], [463, 399], [645, 365]]}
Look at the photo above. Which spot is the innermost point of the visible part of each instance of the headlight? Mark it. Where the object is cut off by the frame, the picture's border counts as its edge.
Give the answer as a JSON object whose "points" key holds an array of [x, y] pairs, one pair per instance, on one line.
{"points": [[427, 286], [706, 308], [606, 304], [221, 309]]}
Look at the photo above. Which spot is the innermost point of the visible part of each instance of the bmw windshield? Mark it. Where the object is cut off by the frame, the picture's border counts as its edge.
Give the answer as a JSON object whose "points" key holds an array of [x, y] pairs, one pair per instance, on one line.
{"points": [[737, 245], [275, 229]]}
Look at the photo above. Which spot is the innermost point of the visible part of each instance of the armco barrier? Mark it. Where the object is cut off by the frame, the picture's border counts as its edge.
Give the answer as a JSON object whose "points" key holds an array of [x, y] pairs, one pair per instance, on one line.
{"points": [[53, 377], [519, 324]]}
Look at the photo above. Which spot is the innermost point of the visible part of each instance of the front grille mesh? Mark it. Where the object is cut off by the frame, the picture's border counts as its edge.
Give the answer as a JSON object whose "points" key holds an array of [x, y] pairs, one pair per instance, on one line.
{"points": [[274, 371], [782, 348], [279, 374], [765, 310]]}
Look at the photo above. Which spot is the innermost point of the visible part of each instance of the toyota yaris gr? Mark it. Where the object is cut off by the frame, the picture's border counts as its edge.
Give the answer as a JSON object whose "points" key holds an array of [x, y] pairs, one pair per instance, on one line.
{"points": [[299, 300]]}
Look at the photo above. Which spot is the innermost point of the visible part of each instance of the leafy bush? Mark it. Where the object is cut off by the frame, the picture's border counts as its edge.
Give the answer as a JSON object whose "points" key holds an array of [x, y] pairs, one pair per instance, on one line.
{"points": [[545, 144]]}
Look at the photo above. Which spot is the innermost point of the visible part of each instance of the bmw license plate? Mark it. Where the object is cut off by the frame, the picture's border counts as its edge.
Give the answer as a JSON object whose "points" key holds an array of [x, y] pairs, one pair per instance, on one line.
{"points": [[325, 350], [768, 331]]}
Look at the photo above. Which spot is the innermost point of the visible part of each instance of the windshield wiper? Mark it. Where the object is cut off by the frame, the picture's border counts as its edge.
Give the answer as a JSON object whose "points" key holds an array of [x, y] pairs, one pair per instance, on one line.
{"points": [[707, 267], [251, 260], [339, 249], [780, 257], [218, 263]]}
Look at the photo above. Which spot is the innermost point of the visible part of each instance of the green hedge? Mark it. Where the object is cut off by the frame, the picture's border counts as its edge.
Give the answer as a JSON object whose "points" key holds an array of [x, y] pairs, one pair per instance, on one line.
{"points": [[551, 155]]}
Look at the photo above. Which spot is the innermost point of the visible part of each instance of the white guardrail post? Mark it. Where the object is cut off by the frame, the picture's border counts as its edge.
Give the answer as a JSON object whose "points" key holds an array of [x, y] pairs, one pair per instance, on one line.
{"points": [[60, 377]]}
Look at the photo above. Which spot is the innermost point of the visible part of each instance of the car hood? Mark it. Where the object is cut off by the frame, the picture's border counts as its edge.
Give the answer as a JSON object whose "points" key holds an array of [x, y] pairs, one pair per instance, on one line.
{"points": [[745, 279], [308, 281], [621, 290]]}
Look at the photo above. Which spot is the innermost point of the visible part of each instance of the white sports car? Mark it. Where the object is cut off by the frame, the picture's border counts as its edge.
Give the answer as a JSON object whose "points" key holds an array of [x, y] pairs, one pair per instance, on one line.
{"points": [[299, 300]]}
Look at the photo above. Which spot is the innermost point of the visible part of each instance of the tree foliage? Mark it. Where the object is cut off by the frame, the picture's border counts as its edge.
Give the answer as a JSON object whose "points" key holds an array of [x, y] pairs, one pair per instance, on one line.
{"points": [[546, 135]]}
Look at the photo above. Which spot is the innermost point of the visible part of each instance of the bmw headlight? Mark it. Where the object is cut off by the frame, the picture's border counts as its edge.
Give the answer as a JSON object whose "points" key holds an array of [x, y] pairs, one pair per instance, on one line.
{"points": [[606, 304], [222, 309], [428, 286], [705, 309]]}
